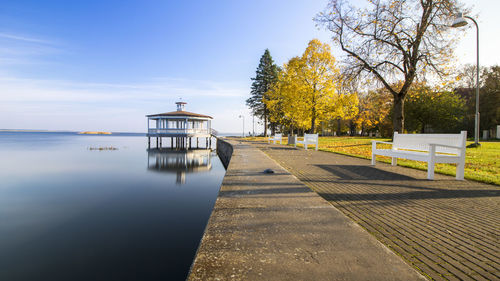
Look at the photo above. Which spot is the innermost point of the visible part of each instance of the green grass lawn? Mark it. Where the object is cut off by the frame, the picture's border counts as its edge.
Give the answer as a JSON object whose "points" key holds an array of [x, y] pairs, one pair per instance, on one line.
{"points": [[481, 163]]}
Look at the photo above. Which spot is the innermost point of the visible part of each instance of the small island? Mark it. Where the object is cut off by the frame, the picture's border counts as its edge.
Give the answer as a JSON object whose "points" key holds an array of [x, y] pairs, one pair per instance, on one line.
{"points": [[94, 133]]}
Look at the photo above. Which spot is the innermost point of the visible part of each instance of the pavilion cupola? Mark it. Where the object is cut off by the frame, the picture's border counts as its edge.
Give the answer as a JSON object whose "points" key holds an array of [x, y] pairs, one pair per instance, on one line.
{"points": [[180, 105]]}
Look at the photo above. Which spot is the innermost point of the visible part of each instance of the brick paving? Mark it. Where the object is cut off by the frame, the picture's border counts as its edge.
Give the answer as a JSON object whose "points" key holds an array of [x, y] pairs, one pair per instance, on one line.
{"points": [[446, 229]]}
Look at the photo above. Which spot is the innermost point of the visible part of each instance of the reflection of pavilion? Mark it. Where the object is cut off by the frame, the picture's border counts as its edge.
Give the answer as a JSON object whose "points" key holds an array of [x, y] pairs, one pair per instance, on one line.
{"points": [[179, 161]]}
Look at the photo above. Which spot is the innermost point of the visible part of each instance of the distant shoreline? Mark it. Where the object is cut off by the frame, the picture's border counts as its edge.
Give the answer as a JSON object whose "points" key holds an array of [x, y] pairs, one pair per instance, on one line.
{"points": [[94, 133], [222, 134]]}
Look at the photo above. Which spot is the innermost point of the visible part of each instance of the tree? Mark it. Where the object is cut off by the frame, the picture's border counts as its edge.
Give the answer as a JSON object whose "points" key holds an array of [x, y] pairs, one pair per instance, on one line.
{"points": [[318, 80], [393, 40], [374, 108], [431, 108], [265, 76], [285, 99], [489, 103], [306, 92]]}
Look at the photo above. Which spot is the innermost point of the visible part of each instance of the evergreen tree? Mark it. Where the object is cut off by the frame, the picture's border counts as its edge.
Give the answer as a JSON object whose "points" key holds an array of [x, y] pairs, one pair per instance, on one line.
{"points": [[266, 75]]}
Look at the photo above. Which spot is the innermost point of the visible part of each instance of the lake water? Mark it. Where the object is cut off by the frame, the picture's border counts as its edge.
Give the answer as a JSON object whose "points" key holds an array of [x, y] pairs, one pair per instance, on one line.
{"points": [[80, 207]]}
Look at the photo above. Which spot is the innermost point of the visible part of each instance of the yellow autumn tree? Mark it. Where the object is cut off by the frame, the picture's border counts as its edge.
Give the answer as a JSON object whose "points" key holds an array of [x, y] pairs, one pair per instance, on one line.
{"points": [[306, 92], [318, 80], [374, 108], [284, 99]]}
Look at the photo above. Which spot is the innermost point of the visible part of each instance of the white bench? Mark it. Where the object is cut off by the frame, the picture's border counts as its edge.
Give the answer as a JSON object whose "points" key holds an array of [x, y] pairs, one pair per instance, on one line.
{"points": [[275, 138], [308, 139], [430, 148]]}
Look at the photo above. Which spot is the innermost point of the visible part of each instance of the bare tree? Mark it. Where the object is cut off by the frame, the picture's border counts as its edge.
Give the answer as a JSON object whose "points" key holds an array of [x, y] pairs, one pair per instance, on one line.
{"points": [[393, 41]]}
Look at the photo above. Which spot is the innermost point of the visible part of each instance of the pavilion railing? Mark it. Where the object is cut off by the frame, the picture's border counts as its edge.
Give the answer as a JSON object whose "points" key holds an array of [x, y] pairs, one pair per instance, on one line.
{"points": [[178, 131]]}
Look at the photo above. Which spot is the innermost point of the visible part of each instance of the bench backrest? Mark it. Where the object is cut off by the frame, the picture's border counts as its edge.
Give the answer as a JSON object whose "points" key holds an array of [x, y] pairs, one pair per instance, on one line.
{"points": [[277, 136], [311, 137], [422, 141]]}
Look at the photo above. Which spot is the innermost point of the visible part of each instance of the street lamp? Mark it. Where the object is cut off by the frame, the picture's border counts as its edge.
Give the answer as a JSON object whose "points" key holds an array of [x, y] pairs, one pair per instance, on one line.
{"points": [[459, 22], [243, 117]]}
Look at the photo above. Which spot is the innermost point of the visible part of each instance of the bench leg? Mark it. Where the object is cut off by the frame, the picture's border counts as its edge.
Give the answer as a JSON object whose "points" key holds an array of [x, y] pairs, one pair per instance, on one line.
{"points": [[394, 161], [460, 171], [430, 170], [317, 146], [305, 145], [374, 148]]}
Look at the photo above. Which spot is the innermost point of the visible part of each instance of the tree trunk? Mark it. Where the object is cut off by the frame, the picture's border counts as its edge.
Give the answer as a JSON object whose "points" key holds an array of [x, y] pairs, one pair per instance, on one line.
{"points": [[338, 127], [273, 128], [398, 114], [313, 126], [265, 123], [313, 112]]}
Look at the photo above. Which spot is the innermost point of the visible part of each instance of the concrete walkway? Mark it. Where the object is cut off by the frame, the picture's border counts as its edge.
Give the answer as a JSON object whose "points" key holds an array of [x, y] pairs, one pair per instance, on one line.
{"points": [[446, 229], [273, 227]]}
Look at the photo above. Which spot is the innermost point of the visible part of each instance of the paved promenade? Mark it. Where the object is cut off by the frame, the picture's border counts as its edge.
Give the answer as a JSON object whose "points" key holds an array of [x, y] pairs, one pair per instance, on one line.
{"points": [[446, 229], [273, 227]]}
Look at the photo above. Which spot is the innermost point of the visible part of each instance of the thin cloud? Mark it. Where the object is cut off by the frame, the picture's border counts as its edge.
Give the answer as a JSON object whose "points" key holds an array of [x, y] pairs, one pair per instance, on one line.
{"points": [[53, 104], [20, 92], [19, 89], [24, 38]]}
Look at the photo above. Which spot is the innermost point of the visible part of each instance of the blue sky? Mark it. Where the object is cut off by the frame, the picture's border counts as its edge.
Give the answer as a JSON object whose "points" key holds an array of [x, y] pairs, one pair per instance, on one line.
{"points": [[103, 65]]}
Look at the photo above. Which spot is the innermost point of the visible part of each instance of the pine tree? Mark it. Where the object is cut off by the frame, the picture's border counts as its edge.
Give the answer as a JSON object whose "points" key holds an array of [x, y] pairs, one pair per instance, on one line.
{"points": [[266, 75]]}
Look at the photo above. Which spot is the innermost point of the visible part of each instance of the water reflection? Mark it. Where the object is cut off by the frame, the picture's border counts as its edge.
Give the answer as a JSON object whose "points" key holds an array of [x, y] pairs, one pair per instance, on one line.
{"points": [[179, 161]]}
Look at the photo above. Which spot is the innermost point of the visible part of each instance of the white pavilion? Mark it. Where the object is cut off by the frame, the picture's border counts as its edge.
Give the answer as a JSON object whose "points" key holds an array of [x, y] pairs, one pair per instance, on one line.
{"points": [[180, 126]]}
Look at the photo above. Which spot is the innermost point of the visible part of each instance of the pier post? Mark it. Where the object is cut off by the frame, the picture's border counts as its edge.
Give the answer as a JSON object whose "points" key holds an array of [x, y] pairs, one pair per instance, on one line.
{"points": [[160, 143], [156, 142]]}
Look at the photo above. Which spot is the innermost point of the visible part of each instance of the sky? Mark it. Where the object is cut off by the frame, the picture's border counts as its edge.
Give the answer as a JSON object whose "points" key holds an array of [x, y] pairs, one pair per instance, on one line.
{"points": [[104, 65]]}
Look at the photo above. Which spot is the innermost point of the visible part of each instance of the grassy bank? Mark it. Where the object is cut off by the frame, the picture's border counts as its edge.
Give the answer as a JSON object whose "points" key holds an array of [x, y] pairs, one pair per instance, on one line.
{"points": [[481, 164]]}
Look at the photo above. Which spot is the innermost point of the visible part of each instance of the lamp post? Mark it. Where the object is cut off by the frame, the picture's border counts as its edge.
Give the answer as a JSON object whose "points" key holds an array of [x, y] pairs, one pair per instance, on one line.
{"points": [[459, 22], [243, 117]]}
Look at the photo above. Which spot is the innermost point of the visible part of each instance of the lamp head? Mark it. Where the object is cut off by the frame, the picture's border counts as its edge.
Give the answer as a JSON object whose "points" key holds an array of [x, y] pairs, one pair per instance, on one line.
{"points": [[459, 20]]}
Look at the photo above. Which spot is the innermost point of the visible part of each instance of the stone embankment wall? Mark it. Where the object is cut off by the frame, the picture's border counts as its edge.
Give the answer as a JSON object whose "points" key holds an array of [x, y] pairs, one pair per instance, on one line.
{"points": [[225, 151]]}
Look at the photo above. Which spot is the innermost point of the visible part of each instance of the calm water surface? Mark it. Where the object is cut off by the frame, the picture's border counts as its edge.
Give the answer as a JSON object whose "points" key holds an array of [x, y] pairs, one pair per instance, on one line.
{"points": [[69, 212]]}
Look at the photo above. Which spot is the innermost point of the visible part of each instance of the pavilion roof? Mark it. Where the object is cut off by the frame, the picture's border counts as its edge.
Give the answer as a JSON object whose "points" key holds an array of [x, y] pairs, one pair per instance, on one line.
{"points": [[180, 114]]}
